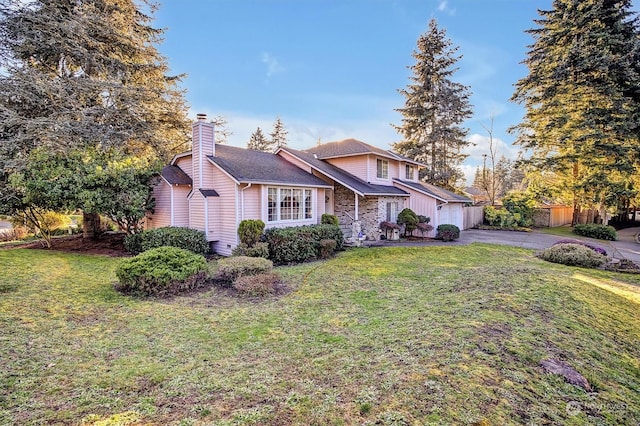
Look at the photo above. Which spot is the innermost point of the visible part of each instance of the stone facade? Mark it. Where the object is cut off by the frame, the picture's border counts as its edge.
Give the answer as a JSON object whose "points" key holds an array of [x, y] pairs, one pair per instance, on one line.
{"points": [[371, 211]]}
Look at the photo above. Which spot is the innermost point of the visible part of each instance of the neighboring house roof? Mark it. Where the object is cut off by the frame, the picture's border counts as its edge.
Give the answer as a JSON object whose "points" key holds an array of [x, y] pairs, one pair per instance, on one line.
{"points": [[343, 177], [472, 190], [352, 147], [250, 166], [434, 191], [175, 176]]}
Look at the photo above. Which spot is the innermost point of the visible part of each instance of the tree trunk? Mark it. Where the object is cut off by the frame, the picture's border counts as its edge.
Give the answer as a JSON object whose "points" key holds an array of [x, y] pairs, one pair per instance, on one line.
{"points": [[90, 225]]}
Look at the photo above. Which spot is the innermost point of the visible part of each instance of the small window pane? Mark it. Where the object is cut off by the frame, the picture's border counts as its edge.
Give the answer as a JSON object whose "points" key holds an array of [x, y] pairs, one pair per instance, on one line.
{"points": [[382, 171], [273, 204], [308, 208]]}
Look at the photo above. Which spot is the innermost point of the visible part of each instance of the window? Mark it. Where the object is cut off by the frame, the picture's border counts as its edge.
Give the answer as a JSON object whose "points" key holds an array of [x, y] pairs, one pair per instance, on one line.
{"points": [[382, 169], [409, 172], [289, 204], [392, 212]]}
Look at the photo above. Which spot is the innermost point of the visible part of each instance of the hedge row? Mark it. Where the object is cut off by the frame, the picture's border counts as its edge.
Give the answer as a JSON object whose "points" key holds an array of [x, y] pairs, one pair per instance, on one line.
{"points": [[301, 243], [184, 238]]}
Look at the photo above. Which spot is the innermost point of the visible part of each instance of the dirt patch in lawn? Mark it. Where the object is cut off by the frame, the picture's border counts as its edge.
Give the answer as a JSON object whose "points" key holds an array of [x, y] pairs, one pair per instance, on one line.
{"points": [[109, 244]]}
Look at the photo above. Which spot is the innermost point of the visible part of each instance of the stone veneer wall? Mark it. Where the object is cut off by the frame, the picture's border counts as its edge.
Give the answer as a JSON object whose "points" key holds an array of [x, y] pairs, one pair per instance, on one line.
{"points": [[372, 211]]}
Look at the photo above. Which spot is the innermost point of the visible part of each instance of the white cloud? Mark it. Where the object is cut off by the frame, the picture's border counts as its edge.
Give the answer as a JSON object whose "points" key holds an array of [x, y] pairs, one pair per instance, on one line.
{"points": [[443, 6], [273, 66]]}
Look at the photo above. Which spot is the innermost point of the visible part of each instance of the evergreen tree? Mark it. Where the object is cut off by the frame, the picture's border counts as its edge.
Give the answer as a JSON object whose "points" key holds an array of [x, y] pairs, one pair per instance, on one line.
{"points": [[435, 107], [279, 135], [582, 98], [258, 142], [84, 75]]}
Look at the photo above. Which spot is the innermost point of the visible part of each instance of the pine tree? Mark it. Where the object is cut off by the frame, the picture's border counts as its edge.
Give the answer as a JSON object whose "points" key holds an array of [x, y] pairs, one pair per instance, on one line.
{"points": [[258, 142], [84, 75], [279, 135], [435, 108], [582, 98]]}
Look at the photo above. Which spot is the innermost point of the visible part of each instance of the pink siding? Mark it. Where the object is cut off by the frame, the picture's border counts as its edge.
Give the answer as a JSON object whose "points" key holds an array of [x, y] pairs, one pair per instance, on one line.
{"points": [[162, 210], [356, 165], [250, 203], [203, 143], [196, 211], [423, 205], [293, 160], [222, 212], [181, 205], [185, 164], [394, 167], [320, 204]]}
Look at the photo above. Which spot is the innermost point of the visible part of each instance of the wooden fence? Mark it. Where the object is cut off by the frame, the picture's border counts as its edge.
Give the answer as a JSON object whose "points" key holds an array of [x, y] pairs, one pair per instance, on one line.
{"points": [[552, 216], [472, 216]]}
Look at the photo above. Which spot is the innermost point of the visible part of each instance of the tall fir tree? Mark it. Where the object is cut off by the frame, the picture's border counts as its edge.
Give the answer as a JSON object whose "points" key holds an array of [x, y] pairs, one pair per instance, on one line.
{"points": [[84, 75], [258, 141], [581, 99], [278, 135], [435, 108]]}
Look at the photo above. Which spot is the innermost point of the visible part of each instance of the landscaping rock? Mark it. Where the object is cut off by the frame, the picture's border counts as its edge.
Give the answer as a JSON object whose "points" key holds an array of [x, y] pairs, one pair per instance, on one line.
{"points": [[569, 373]]}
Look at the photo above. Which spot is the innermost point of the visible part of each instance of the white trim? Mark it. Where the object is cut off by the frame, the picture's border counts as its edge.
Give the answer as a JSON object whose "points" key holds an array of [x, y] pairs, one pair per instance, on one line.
{"points": [[356, 208], [172, 221], [177, 156], [242, 199], [206, 217], [200, 155], [224, 171]]}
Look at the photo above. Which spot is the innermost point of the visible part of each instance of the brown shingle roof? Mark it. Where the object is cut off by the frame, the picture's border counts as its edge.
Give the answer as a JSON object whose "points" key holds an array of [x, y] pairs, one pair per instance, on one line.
{"points": [[351, 147], [249, 166], [175, 176], [435, 191]]}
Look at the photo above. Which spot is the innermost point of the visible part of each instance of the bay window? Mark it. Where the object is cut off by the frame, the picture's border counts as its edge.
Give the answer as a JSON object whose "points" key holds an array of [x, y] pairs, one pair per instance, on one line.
{"points": [[289, 204]]}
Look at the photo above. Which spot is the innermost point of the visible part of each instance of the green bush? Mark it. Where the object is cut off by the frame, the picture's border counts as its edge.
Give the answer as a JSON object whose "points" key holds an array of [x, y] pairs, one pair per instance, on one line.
{"points": [[161, 271], [329, 219], [573, 255], [232, 268], [300, 243], [600, 232], [409, 219], [447, 232], [257, 285], [258, 250], [250, 231], [500, 217], [423, 219], [521, 206], [185, 238]]}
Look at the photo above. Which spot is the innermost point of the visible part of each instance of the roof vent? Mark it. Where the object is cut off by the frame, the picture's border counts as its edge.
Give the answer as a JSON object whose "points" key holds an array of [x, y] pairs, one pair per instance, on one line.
{"points": [[201, 117], [315, 155]]}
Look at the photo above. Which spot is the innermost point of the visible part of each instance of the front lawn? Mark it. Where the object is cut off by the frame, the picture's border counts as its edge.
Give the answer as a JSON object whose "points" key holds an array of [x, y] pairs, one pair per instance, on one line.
{"points": [[385, 336]]}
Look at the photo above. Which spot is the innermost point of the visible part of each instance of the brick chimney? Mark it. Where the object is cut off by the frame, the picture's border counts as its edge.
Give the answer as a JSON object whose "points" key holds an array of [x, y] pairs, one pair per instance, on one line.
{"points": [[203, 145]]}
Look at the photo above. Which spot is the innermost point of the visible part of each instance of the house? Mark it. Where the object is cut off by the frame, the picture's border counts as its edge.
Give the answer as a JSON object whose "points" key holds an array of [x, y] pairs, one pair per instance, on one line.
{"points": [[214, 187]]}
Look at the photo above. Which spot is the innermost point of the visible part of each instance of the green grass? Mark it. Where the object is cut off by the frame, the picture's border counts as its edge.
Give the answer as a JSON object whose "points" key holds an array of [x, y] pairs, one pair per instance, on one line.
{"points": [[562, 231], [386, 336]]}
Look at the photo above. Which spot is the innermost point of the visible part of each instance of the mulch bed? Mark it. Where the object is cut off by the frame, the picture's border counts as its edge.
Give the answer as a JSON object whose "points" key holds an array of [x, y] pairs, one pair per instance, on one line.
{"points": [[109, 244]]}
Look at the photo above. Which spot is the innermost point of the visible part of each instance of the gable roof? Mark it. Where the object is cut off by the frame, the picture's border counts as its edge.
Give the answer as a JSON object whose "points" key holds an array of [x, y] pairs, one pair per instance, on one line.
{"points": [[352, 147], [175, 176], [343, 177], [434, 191], [250, 166]]}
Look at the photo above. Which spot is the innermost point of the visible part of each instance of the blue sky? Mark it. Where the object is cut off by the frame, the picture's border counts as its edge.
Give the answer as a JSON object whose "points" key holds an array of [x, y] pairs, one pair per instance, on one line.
{"points": [[331, 69]]}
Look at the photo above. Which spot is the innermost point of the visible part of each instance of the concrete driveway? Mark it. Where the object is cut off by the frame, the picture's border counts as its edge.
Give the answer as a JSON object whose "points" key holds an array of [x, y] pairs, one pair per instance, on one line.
{"points": [[624, 248]]}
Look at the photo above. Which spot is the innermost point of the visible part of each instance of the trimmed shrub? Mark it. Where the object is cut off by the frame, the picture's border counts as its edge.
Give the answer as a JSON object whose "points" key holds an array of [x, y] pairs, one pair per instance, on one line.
{"points": [[327, 247], [250, 231], [185, 238], [409, 219], [424, 228], [600, 232], [329, 219], [161, 271], [573, 255], [521, 205], [448, 232], [300, 243], [592, 247], [257, 250], [423, 219], [232, 268], [257, 285]]}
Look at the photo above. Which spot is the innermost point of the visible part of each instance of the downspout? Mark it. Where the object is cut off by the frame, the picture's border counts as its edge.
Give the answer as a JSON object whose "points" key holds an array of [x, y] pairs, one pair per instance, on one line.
{"points": [[242, 199], [206, 217], [172, 221]]}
